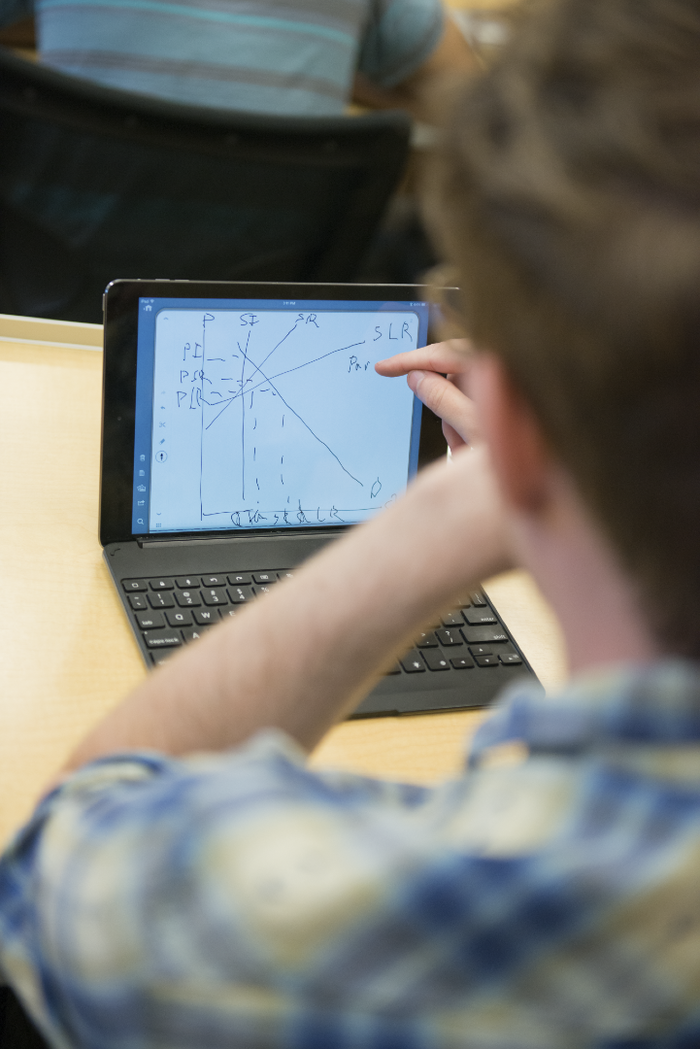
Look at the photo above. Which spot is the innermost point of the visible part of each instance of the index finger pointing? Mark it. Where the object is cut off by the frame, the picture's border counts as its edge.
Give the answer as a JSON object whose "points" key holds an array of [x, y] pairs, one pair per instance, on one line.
{"points": [[441, 357]]}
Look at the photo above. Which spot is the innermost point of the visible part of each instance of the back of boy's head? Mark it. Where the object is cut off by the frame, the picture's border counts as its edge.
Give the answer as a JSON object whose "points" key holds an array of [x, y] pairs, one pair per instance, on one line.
{"points": [[570, 200]]}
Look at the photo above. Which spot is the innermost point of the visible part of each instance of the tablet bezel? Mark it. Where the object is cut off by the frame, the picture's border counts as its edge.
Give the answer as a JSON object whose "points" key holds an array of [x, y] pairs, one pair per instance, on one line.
{"points": [[121, 310]]}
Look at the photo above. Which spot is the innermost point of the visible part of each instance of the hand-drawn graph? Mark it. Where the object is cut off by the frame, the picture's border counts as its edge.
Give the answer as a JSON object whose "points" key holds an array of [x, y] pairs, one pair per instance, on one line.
{"points": [[274, 418]]}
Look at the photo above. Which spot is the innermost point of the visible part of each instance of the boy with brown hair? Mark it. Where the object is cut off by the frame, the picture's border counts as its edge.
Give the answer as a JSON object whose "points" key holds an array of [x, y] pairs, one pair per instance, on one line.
{"points": [[162, 896]]}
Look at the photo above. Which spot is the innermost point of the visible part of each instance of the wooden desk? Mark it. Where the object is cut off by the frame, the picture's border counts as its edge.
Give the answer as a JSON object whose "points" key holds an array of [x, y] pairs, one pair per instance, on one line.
{"points": [[67, 654]]}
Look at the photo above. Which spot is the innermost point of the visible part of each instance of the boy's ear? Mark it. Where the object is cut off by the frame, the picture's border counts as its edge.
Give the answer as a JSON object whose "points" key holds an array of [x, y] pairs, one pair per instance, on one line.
{"points": [[519, 453]]}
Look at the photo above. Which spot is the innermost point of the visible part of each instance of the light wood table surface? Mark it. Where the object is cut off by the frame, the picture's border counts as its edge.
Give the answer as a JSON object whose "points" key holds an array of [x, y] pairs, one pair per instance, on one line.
{"points": [[67, 654]]}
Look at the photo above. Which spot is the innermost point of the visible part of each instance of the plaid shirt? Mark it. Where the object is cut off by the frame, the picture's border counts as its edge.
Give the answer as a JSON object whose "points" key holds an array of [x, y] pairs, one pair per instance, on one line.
{"points": [[242, 900]]}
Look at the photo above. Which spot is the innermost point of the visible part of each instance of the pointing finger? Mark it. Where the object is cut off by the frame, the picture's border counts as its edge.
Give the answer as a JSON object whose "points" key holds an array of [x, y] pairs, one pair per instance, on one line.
{"points": [[450, 404], [439, 357]]}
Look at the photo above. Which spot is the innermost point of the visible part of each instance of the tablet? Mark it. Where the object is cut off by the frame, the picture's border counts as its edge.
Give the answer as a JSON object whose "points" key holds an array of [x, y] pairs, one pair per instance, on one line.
{"points": [[245, 427]]}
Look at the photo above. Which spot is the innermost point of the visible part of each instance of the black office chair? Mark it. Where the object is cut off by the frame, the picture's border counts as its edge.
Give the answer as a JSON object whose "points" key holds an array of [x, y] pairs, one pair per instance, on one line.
{"points": [[97, 183]]}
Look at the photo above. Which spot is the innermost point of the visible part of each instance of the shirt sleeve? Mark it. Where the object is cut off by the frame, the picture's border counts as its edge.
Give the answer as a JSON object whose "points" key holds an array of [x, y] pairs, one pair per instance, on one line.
{"points": [[147, 890], [400, 36], [245, 900]]}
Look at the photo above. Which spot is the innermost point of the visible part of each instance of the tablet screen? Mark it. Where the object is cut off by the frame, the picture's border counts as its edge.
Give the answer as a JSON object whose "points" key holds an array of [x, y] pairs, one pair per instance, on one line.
{"points": [[262, 413]]}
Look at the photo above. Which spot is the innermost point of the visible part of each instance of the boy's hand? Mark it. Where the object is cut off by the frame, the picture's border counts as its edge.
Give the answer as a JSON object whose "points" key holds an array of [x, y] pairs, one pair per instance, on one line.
{"points": [[439, 375]]}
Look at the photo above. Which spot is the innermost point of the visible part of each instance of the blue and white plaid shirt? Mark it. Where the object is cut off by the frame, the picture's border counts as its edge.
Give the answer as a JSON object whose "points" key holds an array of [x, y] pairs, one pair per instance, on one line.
{"points": [[241, 900]]}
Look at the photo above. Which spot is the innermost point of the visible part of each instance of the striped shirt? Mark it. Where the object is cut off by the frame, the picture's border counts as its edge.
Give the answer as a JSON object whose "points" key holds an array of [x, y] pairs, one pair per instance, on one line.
{"points": [[266, 56], [552, 902]]}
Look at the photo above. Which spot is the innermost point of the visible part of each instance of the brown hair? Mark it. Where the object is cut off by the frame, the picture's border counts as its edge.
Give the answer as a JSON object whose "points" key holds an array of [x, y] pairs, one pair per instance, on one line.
{"points": [[569, 196]]}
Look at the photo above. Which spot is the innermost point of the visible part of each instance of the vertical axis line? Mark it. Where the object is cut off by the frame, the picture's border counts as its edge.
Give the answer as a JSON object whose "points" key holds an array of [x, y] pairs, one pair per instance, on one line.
{"points": [[201, 421], [242, 399]]}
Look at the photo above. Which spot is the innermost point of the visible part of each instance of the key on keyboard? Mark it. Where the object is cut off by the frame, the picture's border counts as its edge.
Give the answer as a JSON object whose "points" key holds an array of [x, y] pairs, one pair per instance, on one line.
{"points": [[169, 612]]}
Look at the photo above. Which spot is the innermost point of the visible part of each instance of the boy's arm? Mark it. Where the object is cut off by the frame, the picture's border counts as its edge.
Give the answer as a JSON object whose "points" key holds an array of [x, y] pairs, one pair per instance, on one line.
{"points": [[303, 656], [451, 58]]}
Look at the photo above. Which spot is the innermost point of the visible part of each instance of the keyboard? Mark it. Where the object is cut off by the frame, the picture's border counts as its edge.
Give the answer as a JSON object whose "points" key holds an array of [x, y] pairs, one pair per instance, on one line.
{"points": [[169, 612]]}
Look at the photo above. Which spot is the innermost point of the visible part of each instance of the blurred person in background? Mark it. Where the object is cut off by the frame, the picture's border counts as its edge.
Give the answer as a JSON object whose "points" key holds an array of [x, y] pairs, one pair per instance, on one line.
{"points": [[286, 57]]}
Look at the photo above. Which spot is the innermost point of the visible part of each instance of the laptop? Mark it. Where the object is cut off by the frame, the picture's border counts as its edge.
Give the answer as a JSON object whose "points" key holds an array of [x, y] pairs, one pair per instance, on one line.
{"points": [[243, 429]]}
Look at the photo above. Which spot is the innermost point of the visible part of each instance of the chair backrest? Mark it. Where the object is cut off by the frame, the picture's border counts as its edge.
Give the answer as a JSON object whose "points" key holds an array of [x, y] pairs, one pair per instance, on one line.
{"points": [[97, 183]]}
